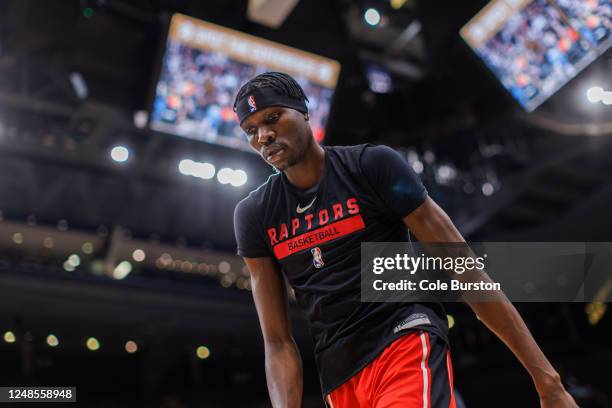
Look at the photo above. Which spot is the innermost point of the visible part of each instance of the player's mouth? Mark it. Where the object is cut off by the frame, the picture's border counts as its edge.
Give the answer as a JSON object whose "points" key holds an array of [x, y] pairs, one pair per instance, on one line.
{"points": [[275, 154]]}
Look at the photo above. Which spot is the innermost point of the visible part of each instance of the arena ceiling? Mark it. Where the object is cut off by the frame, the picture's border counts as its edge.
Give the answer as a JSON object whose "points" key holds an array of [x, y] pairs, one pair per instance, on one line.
{"points": [[445, 103]]}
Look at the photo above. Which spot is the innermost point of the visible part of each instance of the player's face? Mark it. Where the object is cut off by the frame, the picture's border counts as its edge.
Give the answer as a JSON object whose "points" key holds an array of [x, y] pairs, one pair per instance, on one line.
{"points": [[280, 135]]}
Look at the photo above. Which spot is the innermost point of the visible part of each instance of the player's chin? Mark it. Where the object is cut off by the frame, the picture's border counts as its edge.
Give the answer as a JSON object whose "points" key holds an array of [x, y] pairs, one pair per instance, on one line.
{"points": [[284, 164], [281, 166]]}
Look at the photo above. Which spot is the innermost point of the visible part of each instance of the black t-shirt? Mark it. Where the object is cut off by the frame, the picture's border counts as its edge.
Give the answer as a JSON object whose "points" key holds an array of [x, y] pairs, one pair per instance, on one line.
{"points": [[315, 236]]}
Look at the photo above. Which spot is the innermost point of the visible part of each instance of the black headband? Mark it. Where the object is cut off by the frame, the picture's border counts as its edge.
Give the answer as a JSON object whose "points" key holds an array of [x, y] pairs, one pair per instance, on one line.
{"points": [[264, 97]]}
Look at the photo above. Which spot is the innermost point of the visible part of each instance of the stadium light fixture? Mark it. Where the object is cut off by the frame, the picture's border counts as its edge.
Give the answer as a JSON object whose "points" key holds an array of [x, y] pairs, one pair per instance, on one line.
{"points": [[122, 270], [120, 154], [189, 167], [9, 337], [52, 340], [131, 347], [597, 94], [92, 344], [139, 255], [372, 17]]}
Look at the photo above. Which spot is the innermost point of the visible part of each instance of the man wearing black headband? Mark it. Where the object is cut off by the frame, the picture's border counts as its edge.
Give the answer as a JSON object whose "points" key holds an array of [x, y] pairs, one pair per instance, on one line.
{"points": [[307, 223]]}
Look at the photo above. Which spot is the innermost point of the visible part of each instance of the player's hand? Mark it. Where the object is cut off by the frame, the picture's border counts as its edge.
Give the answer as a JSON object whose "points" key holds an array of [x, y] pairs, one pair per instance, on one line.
{"points": [[558, 399]]}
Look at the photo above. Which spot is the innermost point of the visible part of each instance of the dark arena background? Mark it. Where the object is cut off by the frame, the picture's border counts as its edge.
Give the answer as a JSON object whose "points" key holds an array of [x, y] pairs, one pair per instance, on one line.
{"points": [[121, 165]]}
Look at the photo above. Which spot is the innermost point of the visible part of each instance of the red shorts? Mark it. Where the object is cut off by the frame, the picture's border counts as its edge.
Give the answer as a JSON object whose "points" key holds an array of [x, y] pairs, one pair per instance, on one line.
{"points": [[412, 372]]}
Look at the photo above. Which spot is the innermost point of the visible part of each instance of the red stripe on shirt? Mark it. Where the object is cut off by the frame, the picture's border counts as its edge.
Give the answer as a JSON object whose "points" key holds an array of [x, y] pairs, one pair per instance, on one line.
{"points": [[319, 236]]}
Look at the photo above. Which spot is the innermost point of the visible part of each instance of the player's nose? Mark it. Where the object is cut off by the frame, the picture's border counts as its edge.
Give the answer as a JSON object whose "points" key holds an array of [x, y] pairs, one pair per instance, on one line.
{"points": [[265, 136]]}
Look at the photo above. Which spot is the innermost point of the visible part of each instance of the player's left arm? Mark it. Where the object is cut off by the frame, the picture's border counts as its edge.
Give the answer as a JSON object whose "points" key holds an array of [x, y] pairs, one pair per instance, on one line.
{"points": [[430, 224]]}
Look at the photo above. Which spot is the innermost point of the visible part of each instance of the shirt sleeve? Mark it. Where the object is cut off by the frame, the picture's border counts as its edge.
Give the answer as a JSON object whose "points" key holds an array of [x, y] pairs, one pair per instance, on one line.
{"points": [[390, 175], [250, 241]]}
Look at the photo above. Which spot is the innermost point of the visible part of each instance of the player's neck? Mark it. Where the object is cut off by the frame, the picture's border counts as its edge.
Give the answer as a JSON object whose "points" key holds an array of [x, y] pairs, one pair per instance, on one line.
{"points": [[309, 171]]}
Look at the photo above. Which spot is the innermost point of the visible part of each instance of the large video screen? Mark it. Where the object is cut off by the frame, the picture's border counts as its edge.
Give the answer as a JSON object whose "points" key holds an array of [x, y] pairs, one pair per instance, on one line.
{"points": [[204, 66], [534, 47]]}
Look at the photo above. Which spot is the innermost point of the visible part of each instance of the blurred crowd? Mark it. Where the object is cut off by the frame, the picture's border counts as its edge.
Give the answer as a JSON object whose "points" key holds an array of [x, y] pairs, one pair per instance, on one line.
{"points": [[544, 45], [195, 95]]}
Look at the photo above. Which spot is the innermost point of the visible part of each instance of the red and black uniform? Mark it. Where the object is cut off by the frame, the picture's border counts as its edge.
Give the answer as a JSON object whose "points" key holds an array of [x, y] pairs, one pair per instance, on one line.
{"points": [[315, 236]]}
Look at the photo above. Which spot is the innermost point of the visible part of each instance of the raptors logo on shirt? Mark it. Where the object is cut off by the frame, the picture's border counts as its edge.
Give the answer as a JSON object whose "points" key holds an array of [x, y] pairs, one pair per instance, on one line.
{"points": [[342, 219], [317, 257]]}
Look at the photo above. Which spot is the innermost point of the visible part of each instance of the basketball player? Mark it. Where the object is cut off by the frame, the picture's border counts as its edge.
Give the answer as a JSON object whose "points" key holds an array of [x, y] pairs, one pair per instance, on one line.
{"points": [[307, 222]]}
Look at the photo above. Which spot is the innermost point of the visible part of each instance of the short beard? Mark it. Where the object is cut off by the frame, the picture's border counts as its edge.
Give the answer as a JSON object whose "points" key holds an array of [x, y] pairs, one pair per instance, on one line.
{"points": [[297, 159], [290, 163]]}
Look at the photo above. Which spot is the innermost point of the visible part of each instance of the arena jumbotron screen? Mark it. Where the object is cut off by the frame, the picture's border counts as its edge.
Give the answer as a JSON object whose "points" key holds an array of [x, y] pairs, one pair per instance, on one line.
{"points": [[204, 66], [535, 47]]}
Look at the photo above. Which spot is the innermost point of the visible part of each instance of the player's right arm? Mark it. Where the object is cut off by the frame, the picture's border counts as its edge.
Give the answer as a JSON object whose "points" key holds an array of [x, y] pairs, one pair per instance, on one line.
{"points": [[283, 361]]}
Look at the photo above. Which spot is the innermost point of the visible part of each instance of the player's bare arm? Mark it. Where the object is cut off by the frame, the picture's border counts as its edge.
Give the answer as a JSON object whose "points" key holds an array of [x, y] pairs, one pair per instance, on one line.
{"points": [[283, 361], [429, 223]]}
